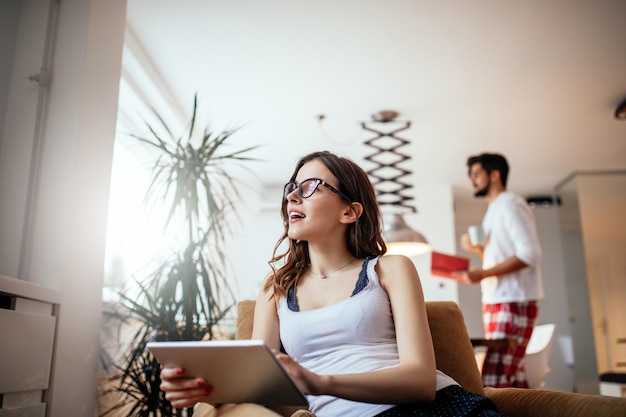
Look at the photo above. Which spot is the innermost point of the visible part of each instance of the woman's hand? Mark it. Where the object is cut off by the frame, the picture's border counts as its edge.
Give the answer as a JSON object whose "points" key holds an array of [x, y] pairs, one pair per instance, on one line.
{"points": [[308, 382], [183, 391]]}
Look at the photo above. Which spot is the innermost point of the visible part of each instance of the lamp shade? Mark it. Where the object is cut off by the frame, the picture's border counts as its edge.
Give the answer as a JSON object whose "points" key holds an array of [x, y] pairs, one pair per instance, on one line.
{"points": [[402, 240]]}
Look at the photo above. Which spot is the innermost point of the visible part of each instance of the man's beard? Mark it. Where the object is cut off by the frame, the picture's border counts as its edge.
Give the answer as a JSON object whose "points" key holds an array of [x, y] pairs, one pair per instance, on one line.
{"points": [[483, 191]]}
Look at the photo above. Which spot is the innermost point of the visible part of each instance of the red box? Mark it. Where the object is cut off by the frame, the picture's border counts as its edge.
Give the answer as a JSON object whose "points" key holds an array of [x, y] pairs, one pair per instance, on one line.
{"points": [[443, 265]]}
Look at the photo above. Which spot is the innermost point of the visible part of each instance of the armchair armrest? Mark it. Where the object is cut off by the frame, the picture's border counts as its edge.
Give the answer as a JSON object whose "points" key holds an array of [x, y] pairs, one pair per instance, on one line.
{"points": [[517, 402]]}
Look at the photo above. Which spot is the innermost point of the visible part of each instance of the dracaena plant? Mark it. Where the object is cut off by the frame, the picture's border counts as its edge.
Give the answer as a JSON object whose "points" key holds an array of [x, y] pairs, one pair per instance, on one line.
{"points": [[187, 295]]}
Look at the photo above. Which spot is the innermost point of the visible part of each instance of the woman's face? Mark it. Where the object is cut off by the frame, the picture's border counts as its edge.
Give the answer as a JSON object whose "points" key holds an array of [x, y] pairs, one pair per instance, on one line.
{"points": [[317, 217]]}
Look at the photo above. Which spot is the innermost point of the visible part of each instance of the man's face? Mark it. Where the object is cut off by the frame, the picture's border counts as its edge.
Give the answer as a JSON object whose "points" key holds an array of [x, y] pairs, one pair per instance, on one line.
{"points": [[480, 180]]}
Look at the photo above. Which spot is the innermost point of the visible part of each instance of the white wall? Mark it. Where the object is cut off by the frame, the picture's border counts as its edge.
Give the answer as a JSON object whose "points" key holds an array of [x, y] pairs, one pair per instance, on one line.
{"points": [[585, 368], [594, 237], [25, 25], [9, 12], [435, 220], [84, 99], [469, 212], [602, 200], [554, 308], [67, 232]]}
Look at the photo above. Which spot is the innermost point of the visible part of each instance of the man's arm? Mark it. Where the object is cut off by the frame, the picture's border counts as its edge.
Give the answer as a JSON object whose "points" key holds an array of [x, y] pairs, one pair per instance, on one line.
{"points": [[507, 266]]}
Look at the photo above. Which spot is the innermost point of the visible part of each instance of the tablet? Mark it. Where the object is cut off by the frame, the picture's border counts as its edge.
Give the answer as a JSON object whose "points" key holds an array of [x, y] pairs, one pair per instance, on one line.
{"points": [[238, 370]]}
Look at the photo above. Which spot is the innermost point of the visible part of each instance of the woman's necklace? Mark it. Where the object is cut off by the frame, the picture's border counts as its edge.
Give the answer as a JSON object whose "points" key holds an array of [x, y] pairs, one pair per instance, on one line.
{"points": [[330, 273]]}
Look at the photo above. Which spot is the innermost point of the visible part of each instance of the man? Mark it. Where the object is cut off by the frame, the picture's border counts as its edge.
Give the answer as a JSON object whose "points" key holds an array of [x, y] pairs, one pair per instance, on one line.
{"points": [[510, 277]]}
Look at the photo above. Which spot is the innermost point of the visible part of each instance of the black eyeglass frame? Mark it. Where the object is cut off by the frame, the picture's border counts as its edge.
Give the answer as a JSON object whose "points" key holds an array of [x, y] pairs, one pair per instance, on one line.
{"points": [[291, 186]]}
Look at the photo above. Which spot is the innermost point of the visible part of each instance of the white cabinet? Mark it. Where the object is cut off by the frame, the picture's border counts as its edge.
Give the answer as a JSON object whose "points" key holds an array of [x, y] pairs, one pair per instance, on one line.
{"points": [[27, 331]]}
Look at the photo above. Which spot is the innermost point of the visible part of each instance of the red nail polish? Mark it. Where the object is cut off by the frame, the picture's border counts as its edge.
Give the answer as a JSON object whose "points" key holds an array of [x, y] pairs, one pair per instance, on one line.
{"points": [[180, 371], [208, 391], [201, 383]]}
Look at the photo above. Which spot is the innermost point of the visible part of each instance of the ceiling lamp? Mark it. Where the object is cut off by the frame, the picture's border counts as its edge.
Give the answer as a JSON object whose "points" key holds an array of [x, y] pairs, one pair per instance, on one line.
{"points": [[402, 240], [387, 178]]}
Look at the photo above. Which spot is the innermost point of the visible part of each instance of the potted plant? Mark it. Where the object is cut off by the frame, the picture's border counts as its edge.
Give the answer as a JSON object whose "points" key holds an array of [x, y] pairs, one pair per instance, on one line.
{"points": [[188, 294]]}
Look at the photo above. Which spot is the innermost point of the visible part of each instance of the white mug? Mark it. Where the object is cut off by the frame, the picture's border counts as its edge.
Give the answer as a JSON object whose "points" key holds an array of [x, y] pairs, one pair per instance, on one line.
{"points": [[476, 235]]}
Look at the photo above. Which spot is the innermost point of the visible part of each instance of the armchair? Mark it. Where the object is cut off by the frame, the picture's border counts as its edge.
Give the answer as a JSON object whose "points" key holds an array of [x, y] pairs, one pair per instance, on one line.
{"points": [[455, 357]]}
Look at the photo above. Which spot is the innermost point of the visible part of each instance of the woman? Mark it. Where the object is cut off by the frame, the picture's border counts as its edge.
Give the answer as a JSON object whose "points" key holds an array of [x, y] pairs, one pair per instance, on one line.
{"points": [[352, 323]]}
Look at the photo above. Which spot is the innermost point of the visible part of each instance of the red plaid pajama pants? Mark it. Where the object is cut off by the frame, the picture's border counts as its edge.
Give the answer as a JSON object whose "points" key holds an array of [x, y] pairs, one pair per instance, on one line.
{"points": [[503, 367]]}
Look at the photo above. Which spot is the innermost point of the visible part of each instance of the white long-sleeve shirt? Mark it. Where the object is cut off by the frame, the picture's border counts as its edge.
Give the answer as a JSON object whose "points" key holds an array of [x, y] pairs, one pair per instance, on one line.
{"points": [[510, 230]]}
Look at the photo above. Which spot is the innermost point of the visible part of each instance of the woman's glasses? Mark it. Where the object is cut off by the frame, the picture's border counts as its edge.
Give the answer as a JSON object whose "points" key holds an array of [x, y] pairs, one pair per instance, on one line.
{"points": [[307, 187]]}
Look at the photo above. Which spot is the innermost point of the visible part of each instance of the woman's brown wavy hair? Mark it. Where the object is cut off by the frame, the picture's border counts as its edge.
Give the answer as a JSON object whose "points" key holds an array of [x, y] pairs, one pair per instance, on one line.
{"points": [[363, 237]]}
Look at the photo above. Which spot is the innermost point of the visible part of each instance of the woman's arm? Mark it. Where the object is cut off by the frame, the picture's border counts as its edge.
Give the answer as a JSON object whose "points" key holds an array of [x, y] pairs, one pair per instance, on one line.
{"points": [[414, 379], [265, 325]]}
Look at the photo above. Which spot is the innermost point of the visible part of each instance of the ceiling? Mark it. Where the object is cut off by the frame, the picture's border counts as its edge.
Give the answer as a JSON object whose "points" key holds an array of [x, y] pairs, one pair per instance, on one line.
{"points": [[538, 81]]}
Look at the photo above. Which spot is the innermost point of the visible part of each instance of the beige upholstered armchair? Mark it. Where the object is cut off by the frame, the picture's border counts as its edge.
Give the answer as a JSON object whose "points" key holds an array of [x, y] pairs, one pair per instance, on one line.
{"points": [[455, 357]]}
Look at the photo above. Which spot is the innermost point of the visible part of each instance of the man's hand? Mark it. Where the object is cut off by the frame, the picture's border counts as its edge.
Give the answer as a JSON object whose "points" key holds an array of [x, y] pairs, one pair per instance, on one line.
{"points": [[472, 276], [468, 247]]}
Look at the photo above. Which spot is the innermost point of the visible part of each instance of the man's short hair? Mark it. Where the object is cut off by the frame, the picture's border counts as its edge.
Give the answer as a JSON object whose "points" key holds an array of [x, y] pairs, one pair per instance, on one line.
{"points": [[491, 162]]}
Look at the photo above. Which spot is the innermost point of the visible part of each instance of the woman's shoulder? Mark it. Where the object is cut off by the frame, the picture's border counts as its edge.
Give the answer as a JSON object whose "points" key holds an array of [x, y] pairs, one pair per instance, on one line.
{"points": [[394, 260], [397, 271], [394, 265]]}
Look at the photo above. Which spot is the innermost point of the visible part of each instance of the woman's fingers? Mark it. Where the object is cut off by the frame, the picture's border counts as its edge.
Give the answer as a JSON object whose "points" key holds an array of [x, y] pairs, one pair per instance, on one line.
{"points": [[171, 373], [185, 384], [187, 398], [183, 391]]}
